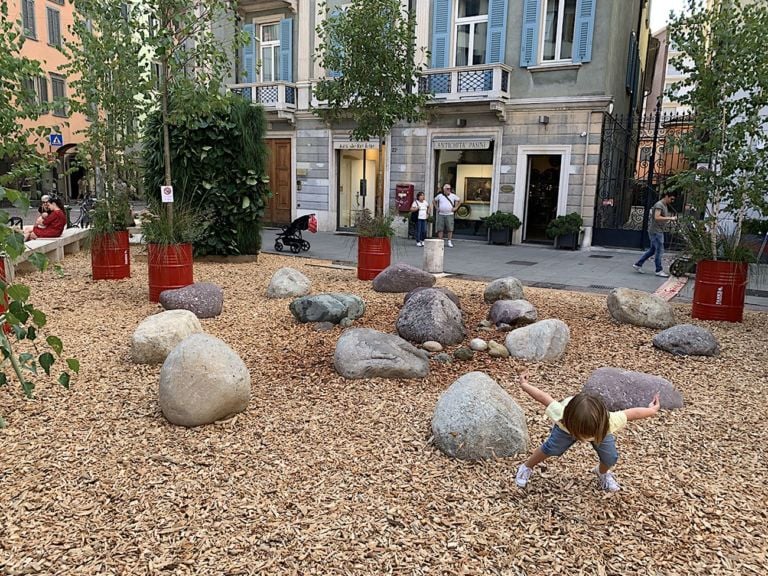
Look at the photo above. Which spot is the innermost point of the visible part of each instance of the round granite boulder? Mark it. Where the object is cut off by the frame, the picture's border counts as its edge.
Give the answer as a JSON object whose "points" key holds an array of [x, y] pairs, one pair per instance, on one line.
{"points": [[367, 353], [288, 283], [512, 312], [447, 291], [623, 389], [687, 340], [157, 335], [430, 315], [543, 341], [327, 308], [508, 288], [401, 277], [640, 308], [203, 299]]}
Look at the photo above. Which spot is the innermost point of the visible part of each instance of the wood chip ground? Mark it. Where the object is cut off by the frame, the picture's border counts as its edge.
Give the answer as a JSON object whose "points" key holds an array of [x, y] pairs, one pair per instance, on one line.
{"points": [[326, 476]]}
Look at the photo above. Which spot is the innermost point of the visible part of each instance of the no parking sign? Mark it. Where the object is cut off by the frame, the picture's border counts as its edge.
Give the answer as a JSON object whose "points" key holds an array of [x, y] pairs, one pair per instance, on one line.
{"points": [[166, 193]]}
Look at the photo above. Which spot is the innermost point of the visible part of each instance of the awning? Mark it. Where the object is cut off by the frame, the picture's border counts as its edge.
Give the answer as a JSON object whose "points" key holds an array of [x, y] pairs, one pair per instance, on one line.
{"points": [[462, 143]]}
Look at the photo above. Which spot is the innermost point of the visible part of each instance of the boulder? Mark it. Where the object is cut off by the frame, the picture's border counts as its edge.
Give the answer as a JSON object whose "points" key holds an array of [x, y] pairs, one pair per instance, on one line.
{"points": [[543, 341], [288, 283], [496, 350], [156, 336], [622, 389], [367, 353], [512, 312], [327, 308], [687, 340], [476, 419], [447, 291], [203, 380], [478, 345], [402, 277], [430, 315], [508, 288], [204, 299], [640, 308]]}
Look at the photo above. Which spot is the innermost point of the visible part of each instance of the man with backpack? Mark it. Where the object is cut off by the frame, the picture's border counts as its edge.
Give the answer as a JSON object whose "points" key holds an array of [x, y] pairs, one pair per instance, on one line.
{"points": [[446, 203]]}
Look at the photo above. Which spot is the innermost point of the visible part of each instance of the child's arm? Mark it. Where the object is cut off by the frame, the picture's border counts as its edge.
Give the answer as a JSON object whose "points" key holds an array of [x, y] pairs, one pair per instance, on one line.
{"points": [[640, 413], [540, 396]]}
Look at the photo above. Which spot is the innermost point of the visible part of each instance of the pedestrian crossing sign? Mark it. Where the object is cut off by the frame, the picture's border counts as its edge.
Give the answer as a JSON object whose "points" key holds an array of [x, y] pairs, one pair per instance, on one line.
{"points": [[56, 139]]}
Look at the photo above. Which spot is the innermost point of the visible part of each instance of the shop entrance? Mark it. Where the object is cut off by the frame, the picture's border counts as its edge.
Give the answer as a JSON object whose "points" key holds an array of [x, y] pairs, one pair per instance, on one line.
{"points": [[358, 185], [542, 196]]}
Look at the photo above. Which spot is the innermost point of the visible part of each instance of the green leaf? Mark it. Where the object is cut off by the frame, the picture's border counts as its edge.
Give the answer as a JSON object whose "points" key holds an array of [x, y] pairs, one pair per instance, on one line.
{"points": [[55, 343], [31, 333], [18, 292], [38, 317], [46, 360], [64, 380], [3, 379], [39, 261], [18, 311], [2, 422], [28, 388], [246, 202], [74, 365]]}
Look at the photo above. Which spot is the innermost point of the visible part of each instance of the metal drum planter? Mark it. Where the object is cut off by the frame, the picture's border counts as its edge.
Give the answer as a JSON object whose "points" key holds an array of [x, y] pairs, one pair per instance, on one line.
{"points": [[170, 267], [111, 256], [373, 255], [720, 290]]}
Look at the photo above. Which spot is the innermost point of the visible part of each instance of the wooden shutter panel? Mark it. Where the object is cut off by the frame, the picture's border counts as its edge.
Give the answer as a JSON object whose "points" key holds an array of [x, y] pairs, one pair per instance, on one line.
{"points": [[529, 43], [29, 18], [497, 30], [286, 50], [249, 54], [442, 11], [584, 30]]}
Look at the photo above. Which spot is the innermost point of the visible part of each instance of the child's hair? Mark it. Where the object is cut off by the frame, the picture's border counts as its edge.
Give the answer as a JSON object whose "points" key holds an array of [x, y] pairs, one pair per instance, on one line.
{"points": [[419, 194], [586, 417]]}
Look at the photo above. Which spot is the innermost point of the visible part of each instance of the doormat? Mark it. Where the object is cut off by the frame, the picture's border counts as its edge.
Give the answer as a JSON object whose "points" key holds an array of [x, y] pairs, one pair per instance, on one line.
{"points": [[671, 287]]}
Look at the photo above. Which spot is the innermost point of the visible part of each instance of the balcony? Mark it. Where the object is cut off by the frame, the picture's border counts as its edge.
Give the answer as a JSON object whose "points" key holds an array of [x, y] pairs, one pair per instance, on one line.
{"points": [[467, 84], [277, 97]]}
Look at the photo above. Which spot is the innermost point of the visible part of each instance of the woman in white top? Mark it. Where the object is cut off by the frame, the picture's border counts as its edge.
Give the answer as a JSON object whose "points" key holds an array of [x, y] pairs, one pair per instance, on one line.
{"points": [[421, 206]]}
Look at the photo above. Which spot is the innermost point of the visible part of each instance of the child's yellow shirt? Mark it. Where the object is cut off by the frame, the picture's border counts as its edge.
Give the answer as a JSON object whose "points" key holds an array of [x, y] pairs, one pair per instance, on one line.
{"points": [[616, 420]]}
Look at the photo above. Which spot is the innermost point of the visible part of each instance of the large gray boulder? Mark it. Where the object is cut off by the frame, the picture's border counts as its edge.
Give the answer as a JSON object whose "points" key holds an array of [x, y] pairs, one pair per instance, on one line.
{"points": [[476, 419], [447, 291], [430, 315], [203, 380], [288, 283], [327, 308], [687, 340], [157, 335], [640, 308], [203, 299], [622, 389], [400, 277], [367, 353], [543, 341], [508, 288], [512, 312]]}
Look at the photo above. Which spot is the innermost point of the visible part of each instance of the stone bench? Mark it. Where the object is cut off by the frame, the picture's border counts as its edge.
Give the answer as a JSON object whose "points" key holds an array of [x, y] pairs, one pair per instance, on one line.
{"points": [[53, 248]]}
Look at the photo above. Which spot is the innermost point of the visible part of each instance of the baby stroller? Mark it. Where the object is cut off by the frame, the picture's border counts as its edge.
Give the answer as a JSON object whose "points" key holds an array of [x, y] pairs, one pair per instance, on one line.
{"points": [[291, 235]]}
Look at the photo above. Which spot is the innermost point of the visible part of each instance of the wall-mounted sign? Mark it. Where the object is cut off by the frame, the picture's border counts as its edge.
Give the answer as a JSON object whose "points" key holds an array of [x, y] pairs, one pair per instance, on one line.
{"points": [[455, 144], [507, 188], [166, 193], [341, 145]]}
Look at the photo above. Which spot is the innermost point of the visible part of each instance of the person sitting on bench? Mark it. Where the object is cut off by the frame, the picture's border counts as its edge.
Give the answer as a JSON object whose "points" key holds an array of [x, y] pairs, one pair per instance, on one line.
{"points": [[49, 225]]}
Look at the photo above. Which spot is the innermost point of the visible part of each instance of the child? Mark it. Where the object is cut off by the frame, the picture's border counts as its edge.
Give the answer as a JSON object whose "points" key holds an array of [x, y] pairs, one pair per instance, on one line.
{"points": [[581, 418], [421, 210]]}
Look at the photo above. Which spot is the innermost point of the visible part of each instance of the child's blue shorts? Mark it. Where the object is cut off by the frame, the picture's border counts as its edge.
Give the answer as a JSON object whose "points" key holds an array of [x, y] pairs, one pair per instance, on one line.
{"points": [[559, 441]]}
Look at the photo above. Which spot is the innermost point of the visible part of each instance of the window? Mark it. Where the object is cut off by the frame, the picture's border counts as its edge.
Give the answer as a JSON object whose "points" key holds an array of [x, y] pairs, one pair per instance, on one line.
{"points": [[58, 93], [269, 59], [559, 22], [54, 27], [42, 89], [471, 32], [59, 2], [28, 90], [28, 18]]}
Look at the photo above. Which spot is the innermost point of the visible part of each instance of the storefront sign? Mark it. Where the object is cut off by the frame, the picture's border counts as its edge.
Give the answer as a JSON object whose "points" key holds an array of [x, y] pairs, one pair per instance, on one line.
{"points": [[338, 145], [507, 188], [454, 144]]}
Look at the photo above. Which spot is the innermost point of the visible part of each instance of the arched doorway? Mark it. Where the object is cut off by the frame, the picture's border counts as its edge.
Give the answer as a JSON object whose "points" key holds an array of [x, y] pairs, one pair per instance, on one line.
{"points": [[73, 179]]}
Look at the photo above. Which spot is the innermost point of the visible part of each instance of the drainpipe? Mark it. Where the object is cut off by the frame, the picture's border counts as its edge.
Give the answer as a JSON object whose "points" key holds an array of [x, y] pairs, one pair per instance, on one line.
{"points": [[586, 243]]}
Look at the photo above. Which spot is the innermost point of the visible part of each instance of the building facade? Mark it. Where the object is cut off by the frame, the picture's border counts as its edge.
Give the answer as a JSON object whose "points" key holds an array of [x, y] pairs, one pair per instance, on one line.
{"points": [[46, 25], [519, 91]]}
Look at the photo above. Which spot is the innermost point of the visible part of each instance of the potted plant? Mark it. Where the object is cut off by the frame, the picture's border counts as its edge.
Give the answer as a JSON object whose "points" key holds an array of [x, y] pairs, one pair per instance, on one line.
{"points": [[110, 253], [500, 226], [169, 248], [374, 249], [565, 230]]}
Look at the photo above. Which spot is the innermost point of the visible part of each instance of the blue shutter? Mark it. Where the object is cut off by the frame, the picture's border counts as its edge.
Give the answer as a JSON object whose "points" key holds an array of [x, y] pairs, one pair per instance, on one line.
{"points": [[335, 13], [249, 54], [583, 30], [529, 44], [286, 50], [497, 31], [442, 11]]}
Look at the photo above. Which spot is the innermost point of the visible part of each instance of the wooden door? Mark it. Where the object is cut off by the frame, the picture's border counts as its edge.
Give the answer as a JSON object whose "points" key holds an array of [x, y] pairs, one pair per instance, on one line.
{"points": [[279, 205]]}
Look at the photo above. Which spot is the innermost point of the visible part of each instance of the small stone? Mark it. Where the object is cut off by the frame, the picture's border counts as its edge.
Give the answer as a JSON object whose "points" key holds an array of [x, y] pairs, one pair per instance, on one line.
{"points": [[443, 358], [324, 326], [432, 346], [463, 354], [497, 350], [346, 322], [485, 324], [508, 288], [485, 329], [502, 327], [478, 344]]}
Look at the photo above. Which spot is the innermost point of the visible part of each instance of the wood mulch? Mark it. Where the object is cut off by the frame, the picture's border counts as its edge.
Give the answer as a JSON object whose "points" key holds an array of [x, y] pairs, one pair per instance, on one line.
{"points": [[326, 476]]}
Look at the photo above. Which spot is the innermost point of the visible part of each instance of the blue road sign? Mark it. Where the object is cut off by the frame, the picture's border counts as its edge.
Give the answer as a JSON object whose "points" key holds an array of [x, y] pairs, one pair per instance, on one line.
{"points": [[56, 139]]}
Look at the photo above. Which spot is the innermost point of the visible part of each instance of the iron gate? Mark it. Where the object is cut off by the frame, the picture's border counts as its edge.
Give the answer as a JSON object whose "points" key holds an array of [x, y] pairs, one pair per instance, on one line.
{"points": [[637, 155]]}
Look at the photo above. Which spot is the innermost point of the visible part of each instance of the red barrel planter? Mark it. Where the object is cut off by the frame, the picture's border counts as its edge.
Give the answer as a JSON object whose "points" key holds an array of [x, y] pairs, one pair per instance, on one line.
{"points": [[111, 256], [373, 255], [720, 290], [170, 267]]}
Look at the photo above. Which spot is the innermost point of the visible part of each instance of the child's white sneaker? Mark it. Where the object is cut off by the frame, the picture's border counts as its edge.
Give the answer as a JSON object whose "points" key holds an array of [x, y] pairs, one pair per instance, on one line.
{"points": [[523, 475], [607, 481]]}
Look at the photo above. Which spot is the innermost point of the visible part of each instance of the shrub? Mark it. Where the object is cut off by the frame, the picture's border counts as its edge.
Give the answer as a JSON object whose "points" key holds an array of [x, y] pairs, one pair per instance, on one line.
{"points": [[502, 220], [562, 225]]}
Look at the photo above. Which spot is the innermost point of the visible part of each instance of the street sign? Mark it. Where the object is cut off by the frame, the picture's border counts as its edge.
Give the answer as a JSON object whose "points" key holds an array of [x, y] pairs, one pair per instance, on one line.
{"points": [[166, 193], [56, 139]]}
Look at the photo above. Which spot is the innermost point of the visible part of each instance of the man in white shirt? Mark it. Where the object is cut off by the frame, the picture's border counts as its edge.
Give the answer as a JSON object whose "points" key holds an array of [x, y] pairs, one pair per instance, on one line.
{"points": [[446, 204]]}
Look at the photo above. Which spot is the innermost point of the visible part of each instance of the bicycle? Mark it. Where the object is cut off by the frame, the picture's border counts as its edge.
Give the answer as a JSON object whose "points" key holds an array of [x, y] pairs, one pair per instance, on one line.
{"points": [[84, 219]]}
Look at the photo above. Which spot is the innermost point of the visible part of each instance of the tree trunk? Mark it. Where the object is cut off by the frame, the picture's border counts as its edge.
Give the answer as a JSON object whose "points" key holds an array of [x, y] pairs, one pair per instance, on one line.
{"points": [[164, 81]]}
